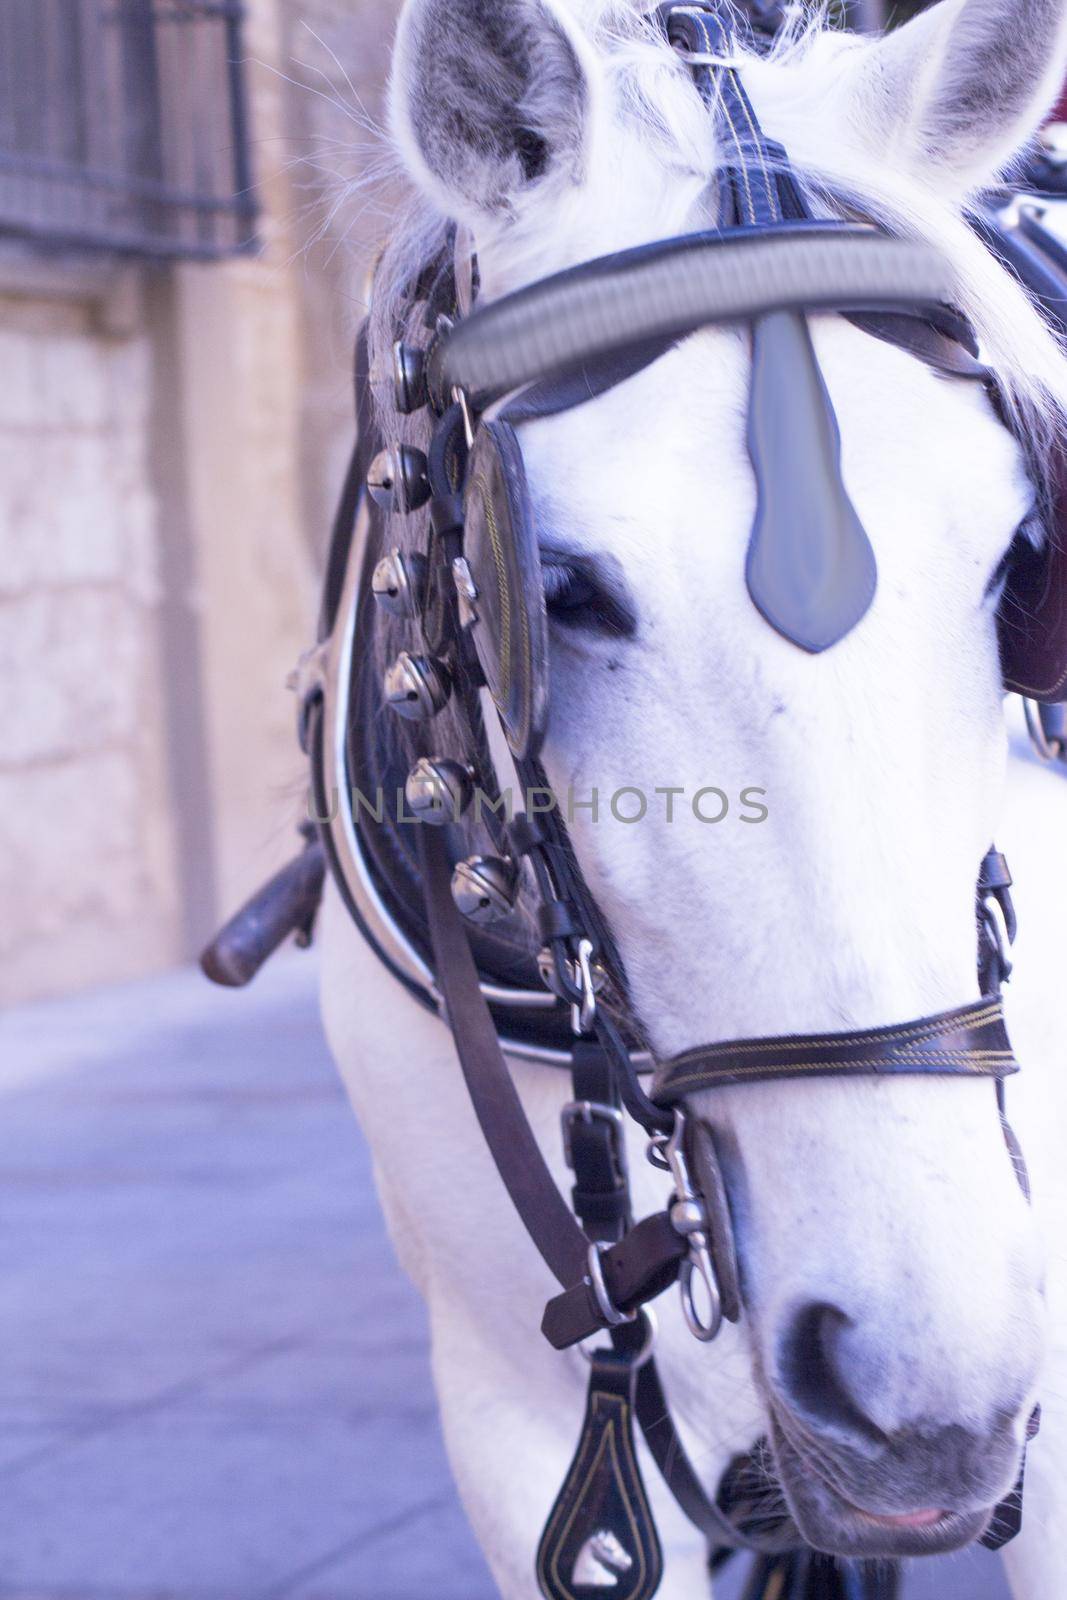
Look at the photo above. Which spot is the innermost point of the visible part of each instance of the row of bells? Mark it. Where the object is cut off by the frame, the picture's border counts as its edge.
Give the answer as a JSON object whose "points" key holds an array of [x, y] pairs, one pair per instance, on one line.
{"points": [[399, 477], [437, 791], [484, 888], [416, 686]]}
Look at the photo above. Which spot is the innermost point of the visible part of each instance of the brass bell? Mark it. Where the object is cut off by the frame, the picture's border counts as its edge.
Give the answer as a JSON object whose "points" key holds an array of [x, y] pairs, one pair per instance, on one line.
{"points": [[398, 479], [409, 378], [485, 888], [438, 791], [417, 686], [399, 583]]}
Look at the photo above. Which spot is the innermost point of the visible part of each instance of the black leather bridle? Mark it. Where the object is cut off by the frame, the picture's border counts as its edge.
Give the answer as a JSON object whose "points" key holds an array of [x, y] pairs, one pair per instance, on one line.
{"points": [[538, 353]]}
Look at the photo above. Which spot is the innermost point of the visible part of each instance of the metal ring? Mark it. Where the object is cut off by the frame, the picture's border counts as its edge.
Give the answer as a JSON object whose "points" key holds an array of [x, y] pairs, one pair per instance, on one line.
{"points": [[1048, 749], [996, 925], [644, 1355], [699, 1261], [608, 1310], [655, 1153]]}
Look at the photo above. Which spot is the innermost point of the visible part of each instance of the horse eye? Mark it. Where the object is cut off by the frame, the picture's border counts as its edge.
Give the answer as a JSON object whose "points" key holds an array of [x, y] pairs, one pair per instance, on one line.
{"points": [[567, 588], [1028, 536], [575, 599]]}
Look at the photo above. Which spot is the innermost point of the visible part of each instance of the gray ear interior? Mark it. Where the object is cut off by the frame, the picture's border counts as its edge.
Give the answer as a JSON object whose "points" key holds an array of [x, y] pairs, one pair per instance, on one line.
{"points": [[494, 94], [810, 569]]}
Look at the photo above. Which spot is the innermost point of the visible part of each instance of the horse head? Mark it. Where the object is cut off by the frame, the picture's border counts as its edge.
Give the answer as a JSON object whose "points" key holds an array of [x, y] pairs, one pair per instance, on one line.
{"points": [[802, 852]]}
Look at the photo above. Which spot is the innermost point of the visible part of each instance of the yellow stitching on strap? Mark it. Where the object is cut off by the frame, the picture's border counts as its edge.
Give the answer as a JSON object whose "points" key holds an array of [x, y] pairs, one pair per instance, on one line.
{"points": [[908, 1033], [772, 193], [585, 1471], [979, 1066], [742, 165]]}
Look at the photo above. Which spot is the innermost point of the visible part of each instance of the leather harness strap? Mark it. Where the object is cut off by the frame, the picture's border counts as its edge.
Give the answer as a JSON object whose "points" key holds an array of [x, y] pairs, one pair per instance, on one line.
{"points": [[971, 1041], [639, 1266], [534, 1193]]}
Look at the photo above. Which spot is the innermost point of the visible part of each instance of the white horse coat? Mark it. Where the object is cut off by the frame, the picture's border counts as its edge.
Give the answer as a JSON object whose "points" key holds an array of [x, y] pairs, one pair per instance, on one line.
{"points": [[891, 1203]]}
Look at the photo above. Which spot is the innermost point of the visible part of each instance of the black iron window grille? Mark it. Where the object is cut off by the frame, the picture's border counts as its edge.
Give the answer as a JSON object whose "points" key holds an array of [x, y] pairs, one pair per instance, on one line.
{"points": [[123, 126]]}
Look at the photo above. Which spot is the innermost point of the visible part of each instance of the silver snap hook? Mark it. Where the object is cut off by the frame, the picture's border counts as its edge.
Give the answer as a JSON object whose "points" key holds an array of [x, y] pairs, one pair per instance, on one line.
{"points": [[689, 1217]]}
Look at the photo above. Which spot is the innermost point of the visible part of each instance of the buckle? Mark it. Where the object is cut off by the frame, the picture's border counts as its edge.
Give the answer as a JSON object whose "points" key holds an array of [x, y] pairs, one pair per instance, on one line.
{"points": [[613, 1317], [1047, 730], [308, 682], [688, 1215], [998, 932], [578, 979], [589, 1112], [692, 58]]}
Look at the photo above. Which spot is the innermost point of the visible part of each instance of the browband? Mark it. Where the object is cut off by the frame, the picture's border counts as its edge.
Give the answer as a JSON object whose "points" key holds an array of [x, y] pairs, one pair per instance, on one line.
{"points": [[674, 287], [968, 1042]]}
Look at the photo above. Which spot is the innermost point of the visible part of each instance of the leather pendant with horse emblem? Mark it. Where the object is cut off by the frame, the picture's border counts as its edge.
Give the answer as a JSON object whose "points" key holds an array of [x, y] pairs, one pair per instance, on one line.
{"points": [[600, 1538], [810, 570]]}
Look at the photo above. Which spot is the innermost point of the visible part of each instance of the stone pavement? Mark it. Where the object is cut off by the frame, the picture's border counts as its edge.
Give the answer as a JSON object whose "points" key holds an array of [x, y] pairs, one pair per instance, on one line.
{"points": [[214, 1381]]}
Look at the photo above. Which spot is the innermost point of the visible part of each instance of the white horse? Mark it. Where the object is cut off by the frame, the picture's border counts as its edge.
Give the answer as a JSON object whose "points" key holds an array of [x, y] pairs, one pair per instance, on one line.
{"points": [[889, 1209]]}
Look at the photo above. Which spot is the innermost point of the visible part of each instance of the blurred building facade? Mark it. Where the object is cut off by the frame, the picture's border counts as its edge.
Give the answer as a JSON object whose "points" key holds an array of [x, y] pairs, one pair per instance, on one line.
{"points": [[174, 415], [175, 411]]}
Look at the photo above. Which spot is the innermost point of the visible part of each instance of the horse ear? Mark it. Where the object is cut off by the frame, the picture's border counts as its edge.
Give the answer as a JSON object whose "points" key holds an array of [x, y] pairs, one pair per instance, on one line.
{"points": [[489, 100], [959, 91]]}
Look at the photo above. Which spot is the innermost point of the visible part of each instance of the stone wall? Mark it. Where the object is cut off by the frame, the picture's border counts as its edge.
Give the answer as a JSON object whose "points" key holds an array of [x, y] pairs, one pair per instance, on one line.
{"points": [[85, 857], [171, 441]]}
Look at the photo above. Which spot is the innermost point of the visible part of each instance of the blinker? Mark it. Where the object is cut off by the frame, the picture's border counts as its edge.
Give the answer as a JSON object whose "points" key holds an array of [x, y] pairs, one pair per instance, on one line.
{"points": [[417, 687], [501, 587]]}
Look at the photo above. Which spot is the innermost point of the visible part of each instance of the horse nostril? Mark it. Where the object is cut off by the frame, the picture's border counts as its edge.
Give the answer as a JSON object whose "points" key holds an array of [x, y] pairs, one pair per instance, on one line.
{"points": [[814, 1377]]}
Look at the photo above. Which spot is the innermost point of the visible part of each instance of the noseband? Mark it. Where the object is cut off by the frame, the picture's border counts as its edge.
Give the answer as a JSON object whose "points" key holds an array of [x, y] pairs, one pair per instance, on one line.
{"points": [[473, 607]]}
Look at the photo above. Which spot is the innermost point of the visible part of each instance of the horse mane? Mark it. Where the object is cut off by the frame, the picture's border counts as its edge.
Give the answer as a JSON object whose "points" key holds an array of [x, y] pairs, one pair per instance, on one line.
{"points": [[843, 178]]}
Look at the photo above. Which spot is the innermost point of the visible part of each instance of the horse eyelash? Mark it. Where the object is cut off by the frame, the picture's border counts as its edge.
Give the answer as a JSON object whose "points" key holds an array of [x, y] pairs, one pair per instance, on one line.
{"points": [[575, 599], [557, 579], [1031, 534]]}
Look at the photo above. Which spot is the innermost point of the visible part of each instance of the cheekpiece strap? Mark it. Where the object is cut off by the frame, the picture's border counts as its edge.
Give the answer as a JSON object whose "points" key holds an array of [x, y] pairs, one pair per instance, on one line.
{"points": [[969, 1042]]}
